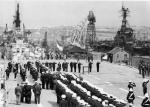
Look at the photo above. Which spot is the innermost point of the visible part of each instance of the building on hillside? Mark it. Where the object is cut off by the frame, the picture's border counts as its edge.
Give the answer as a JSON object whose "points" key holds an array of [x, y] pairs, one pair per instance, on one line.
{"points": [[118, 55]]}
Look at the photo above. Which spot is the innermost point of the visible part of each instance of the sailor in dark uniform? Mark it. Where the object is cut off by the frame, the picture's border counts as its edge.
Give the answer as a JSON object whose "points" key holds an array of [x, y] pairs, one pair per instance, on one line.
{"points": [[43, 80], [71, 66], [66, 66], [28, 94], [63, 101], [23, 91], [59, 66], [73, 101], [47, 79], [131, 84], [63, 66], [90, 66], [146, 101], [144, 85], [140, 68], [130, 97], [143, 69], [75, 66], [79, 66], [97, 66], [54, 65]]}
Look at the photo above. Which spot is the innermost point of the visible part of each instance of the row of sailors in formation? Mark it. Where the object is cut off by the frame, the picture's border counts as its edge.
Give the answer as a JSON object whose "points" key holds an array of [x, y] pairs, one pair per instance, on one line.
{"points": [[16, 68], [73, 66], [131, 96], [75, 95], [46, 77], [52, 65]]}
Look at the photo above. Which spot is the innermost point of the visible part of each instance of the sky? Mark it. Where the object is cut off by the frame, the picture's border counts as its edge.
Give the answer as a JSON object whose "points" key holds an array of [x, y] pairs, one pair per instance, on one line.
{"points": [[49, 13]]}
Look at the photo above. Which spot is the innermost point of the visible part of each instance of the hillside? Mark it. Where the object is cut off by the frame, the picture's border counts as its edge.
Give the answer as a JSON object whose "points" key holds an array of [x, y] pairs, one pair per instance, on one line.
{"points": [[64, 32]]}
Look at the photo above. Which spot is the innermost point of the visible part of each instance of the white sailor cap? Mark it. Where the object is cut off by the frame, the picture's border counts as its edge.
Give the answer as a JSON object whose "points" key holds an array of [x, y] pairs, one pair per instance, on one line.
{"points": [[94, 97], [99, 99], [145, 80], [111, 105], [73, 82], [88, 105], [82, 101], [106, 101], [88, 93], [84, 90], [130, 81], [103, 103], [130, 104], [74, 95], [63, 96], [78, 98], [67, 90], [78, 79], [146, 95]]}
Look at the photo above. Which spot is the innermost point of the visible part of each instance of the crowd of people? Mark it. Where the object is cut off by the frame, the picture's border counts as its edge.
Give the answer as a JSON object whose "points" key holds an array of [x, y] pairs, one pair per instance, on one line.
{"points": [[71, 90], [24, 90]]}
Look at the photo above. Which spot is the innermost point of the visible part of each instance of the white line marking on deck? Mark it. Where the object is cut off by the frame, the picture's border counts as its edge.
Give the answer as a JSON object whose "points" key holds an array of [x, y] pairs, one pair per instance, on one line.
{"points": [[97, 78], [94, 77], [107, 82], [140, 97], [40, 105], [123, 89]]}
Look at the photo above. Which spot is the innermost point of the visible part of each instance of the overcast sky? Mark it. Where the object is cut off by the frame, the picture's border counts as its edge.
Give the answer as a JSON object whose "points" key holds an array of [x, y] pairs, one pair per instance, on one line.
{"points": [[47, 13]]}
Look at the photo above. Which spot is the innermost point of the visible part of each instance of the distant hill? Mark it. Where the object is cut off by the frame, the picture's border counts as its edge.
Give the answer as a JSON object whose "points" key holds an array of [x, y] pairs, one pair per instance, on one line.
{"points": [[65, 33], [102, 33]]}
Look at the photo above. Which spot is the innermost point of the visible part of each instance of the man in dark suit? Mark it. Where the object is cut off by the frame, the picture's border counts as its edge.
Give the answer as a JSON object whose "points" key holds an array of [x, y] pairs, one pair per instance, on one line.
{"points": [[71, 66], [18, 91], [37, 92], [23, 91], [63, 66], [90, 66], [97, 66], [54, 66], [79, 66], [28, 93], [75, 66], [43, 79]]}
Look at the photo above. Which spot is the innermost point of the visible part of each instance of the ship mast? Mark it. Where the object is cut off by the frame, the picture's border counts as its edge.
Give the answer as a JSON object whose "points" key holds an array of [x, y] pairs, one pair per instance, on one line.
{"points": [[124, 36], [17, 21], [125, 12]]}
